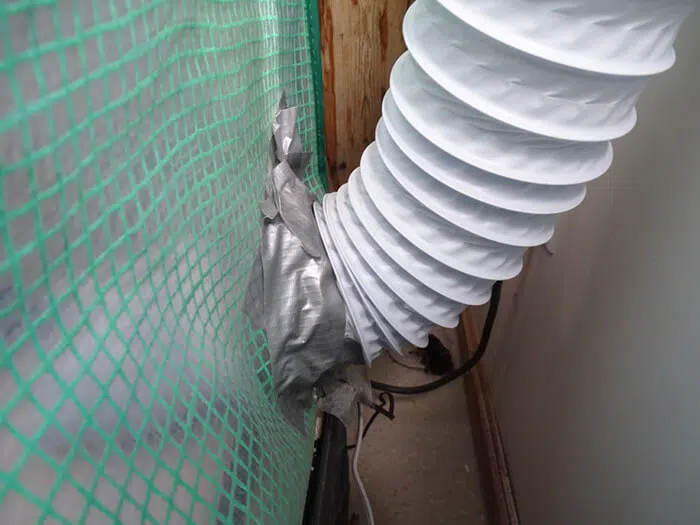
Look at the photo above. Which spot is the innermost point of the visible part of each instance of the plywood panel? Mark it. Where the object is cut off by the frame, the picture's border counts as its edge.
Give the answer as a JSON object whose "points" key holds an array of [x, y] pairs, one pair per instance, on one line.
{"points": [[360, 40]]}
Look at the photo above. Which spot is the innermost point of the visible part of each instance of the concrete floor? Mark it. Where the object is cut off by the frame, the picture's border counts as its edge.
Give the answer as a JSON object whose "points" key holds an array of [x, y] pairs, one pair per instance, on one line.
{"points": [[421, 467]]}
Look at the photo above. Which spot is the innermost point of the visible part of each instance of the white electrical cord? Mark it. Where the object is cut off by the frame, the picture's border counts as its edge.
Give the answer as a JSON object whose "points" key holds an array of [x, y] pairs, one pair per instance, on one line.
{"points": [[355, 469]]}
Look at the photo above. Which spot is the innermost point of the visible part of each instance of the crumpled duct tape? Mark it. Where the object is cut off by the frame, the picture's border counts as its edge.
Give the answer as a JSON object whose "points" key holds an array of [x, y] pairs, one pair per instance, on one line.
{"points": [[292, 293]]}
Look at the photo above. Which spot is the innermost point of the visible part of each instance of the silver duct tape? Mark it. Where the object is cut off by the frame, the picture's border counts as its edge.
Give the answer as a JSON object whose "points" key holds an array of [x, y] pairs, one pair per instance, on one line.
{"points": [[292, 293], [339, 391]]}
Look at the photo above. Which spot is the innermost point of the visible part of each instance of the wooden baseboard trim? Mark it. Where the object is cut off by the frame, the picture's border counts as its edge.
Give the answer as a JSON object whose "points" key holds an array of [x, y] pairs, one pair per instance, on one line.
{"points": [[498, 490]]}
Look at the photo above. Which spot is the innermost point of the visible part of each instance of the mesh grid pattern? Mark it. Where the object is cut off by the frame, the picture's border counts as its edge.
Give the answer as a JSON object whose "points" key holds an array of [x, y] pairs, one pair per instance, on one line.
{"points": [[133, 151]]}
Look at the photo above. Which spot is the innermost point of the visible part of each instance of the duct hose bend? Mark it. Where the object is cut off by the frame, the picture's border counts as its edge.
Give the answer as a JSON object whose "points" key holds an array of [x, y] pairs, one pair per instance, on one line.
{"points": [[496, 118]]}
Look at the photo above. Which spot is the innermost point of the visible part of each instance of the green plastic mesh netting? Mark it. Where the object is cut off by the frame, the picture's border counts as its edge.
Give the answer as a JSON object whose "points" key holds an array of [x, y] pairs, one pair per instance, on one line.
{"points": [[133, 150]]}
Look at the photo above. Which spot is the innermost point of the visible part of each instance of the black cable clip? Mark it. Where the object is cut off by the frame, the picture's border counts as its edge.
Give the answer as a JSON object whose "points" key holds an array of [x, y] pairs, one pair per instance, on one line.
{"points": [[384, 399]]}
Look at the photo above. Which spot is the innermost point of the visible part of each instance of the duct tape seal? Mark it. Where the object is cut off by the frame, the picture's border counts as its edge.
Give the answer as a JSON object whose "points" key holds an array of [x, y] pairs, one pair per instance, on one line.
{"points": [[292, 293]]}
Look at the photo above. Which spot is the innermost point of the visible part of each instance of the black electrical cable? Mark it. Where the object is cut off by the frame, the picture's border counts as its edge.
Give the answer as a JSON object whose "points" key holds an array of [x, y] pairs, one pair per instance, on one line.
{"points": [[467, 366], [385, 398]]}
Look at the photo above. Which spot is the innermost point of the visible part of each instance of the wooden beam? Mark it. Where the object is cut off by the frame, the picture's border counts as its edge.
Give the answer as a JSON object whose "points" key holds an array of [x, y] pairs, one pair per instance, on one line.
{"points": [[325, 16], [360, 41]]}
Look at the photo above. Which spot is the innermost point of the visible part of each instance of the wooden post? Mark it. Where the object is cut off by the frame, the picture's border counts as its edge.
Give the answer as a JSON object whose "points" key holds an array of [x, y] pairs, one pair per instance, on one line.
{"points": [[360, 41]]}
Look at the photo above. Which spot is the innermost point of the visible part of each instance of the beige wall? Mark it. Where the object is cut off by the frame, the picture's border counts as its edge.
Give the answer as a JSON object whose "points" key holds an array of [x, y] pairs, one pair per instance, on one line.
{"points": [[595, 367]]}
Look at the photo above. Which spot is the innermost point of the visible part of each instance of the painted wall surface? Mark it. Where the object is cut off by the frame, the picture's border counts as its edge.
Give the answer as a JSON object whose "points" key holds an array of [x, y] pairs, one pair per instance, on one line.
{"points": [[596, 376]]}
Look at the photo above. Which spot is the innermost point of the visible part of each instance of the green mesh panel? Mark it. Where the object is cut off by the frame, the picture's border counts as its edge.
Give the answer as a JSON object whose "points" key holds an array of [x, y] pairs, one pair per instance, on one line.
{"points": [[133, 151]]}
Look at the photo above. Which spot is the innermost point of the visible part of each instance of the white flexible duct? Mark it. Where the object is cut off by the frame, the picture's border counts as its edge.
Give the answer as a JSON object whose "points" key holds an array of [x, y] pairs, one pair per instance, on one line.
{"points": [[498, 114]]}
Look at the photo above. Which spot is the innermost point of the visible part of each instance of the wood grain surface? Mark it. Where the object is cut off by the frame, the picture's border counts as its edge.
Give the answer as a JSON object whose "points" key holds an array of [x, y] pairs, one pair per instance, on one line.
{"points": [[360, 41]]}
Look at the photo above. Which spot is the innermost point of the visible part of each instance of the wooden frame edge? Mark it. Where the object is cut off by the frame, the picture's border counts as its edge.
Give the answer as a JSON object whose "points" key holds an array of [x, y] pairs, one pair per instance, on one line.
{"points": [[326, 29], [498, 490]]}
